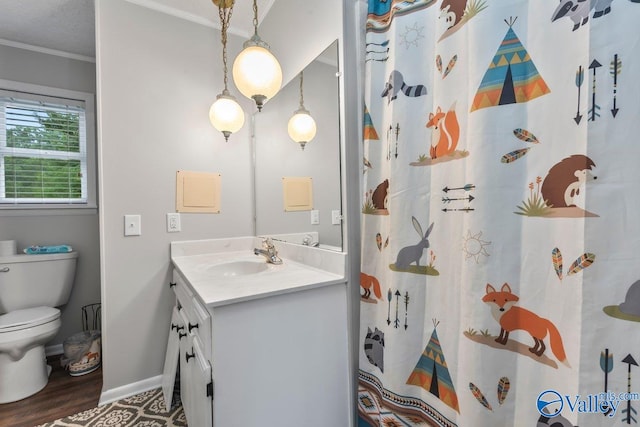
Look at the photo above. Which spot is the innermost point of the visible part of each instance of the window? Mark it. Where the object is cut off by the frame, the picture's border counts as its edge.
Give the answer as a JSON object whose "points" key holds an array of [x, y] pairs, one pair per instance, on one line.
{"points": [[46, 148]]}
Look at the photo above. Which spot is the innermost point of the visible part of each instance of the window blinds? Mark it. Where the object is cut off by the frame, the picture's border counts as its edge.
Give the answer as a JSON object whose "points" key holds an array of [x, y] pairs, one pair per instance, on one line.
{"points": [[43, 158]]}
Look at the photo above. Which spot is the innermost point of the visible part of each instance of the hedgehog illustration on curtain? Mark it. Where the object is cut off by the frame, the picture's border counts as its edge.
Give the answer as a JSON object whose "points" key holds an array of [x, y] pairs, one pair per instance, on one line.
{"points": [[432, 374], [512, 76]]}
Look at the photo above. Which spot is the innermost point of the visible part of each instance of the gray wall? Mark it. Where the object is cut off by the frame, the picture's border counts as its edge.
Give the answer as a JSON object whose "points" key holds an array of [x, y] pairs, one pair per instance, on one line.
{"points": [[158, 76], [277, 156], [79, 229]]}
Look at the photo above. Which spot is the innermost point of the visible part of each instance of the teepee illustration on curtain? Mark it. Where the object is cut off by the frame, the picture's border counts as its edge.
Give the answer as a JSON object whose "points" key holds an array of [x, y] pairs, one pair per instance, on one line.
{"points": [[511, 78], [369, 131], [431, 372]]}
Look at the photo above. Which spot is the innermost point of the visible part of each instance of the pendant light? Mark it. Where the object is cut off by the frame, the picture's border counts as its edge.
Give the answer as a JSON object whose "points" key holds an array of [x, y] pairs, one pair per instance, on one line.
{"points": [[225, 114], [256, 72], [302, 127]]}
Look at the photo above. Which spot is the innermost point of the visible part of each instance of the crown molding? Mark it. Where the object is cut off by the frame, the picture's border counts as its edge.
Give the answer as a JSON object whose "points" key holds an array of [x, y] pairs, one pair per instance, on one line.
{"points": [[48, 51]]}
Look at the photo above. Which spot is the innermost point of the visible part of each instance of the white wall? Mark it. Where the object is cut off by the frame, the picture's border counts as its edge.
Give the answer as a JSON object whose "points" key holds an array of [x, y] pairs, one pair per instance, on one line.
{"points": [[310, 27], [79, 229], [277, 156], [157, 76]]}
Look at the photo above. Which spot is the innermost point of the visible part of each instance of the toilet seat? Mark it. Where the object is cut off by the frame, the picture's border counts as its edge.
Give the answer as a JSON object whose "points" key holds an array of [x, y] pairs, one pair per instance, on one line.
{"points": [[27, 318]]}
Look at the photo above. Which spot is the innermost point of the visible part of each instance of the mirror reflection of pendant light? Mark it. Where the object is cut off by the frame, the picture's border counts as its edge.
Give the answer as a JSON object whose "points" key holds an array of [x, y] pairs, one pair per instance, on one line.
{"points": [[302, 127], [256, 72], [225, 114]]}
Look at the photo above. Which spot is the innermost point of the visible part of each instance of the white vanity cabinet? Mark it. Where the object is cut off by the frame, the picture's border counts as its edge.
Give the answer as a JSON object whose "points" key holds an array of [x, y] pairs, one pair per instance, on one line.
{"points": [[268, 350], [189, 346]]}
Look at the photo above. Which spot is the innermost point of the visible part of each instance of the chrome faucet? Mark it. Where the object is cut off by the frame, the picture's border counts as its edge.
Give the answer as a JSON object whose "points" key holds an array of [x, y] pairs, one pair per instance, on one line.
{"points": [[307, 241], [269, 252]]}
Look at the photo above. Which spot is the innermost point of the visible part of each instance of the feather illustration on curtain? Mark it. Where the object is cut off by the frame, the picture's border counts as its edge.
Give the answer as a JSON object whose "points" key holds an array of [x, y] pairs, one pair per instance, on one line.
{"points": [[490, 205]]}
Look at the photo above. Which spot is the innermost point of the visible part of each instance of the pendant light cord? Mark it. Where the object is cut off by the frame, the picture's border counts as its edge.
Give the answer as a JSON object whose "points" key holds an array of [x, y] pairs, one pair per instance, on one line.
{"points": [[225, 17], [301, 94], [255, 18]]}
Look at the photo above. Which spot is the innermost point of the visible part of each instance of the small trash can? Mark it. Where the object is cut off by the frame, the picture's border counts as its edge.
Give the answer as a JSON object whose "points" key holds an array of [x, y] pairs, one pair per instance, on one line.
{"points": [[82, 353]]}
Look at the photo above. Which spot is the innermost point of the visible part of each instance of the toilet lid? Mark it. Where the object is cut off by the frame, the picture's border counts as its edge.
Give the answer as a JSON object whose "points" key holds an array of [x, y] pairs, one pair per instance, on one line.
{"points": [[27, 318]]}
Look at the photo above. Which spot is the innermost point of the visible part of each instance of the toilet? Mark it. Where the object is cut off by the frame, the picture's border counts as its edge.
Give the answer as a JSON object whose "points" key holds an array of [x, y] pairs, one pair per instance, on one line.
{"points": [[31, 286]]}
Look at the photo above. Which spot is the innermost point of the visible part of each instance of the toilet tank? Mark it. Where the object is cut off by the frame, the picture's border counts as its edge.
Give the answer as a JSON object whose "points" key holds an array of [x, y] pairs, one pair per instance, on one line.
{"points": [[36, 280]]}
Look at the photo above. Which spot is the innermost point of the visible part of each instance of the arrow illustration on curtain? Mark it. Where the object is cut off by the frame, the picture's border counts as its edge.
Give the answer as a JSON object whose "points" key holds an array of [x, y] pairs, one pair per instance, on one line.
{"points": [[449, 199], [389, 298], [629, 360], [389, 133], [396, 323], [406, 309], [593, 111], [467, 187], [397, 134], [376, 50], [579, 81], [615, 69], [467, 199], [458, 210], [606, 364]]}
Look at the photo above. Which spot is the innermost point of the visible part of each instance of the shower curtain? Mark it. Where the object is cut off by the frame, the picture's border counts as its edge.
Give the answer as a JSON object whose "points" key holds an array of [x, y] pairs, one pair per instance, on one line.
{"points": [[500, 214]]}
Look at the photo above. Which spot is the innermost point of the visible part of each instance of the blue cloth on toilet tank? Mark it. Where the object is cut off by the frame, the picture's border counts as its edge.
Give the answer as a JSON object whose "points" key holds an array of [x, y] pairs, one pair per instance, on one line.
{"points": [[56, 249]]}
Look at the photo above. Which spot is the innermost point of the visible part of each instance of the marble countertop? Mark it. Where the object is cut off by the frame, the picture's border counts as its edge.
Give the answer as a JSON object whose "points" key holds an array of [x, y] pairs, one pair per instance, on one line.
{"points": [[202, 265]]}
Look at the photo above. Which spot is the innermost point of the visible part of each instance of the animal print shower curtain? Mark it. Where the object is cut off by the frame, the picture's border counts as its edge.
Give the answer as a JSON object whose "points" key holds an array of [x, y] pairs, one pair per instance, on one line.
{"points": [[501, 217]]}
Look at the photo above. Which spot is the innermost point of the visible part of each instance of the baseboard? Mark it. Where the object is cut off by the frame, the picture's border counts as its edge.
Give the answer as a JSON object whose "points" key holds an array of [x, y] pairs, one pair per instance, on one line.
{"points": [[131, 389], [53, 350]]}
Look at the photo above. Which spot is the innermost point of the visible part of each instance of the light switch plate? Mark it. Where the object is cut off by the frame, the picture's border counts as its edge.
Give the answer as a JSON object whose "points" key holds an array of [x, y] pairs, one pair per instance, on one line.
{"points": [[132, 225], [173, 222], [315, 217]]}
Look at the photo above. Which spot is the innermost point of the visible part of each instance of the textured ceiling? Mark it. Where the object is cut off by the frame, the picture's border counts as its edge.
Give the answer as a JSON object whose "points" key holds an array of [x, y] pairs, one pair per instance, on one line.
{"points": [[68, 25]]}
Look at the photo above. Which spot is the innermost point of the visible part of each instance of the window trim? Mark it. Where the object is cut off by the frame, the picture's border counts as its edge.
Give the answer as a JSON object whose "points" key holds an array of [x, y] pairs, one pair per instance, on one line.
{"points": [[91, 149]]}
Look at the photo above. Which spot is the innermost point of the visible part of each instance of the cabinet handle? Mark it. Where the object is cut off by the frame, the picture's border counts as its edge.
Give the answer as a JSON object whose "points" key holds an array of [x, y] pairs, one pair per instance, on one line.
{"points": [[188, 356], [192, 326], [181, 335], [177, 328], [171, 284], [174, 326], [4, 270]]}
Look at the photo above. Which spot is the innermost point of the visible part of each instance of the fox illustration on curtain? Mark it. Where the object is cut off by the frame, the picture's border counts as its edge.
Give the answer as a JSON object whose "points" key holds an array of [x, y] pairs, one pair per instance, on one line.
{"points": [[478, 169]]}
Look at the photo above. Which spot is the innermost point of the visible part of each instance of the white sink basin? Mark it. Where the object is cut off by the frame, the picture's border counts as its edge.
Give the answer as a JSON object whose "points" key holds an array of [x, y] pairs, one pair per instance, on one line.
{"points": [[238, 268]]}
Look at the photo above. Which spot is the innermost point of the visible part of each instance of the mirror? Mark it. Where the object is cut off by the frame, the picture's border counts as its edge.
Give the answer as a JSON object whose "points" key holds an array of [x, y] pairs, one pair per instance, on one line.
{"points": [[278, 156]]}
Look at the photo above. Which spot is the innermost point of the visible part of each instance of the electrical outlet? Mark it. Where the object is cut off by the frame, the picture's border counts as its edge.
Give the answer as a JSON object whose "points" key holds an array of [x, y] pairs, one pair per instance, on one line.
{"points": [[336, 217], [132, 225], [173, 222]]}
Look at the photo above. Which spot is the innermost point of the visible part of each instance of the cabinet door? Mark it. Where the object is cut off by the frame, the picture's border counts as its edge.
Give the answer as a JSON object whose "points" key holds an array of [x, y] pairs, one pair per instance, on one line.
{"points": [[171, 360], [184, 342], [200, 388]]}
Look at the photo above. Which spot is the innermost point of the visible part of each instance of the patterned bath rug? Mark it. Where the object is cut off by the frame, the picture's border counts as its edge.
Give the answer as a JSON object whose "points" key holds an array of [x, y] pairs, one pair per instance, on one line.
{"points": [[145, 409]]}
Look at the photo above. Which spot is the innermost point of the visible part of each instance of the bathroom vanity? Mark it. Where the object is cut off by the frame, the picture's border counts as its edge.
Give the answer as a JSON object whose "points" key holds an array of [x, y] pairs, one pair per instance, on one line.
{"points": [[256, 343]]}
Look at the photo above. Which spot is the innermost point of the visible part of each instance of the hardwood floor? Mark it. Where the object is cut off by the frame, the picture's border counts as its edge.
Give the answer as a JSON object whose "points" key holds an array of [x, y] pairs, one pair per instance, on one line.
{"points": [[64, 395]]}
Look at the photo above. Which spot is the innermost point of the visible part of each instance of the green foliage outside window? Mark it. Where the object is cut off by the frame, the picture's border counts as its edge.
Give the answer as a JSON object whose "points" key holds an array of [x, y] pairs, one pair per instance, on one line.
{"points": [[35, 176]]}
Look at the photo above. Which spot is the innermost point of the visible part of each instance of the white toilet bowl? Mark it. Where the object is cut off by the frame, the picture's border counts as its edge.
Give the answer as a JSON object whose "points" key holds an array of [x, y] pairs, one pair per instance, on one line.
{"points": [[23, 334]]}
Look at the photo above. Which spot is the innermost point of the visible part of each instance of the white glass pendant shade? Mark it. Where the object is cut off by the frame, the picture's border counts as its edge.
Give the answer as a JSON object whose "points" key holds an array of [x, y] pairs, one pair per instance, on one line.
{"points": [[226, 115], [302, 127], [257, 73]]}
